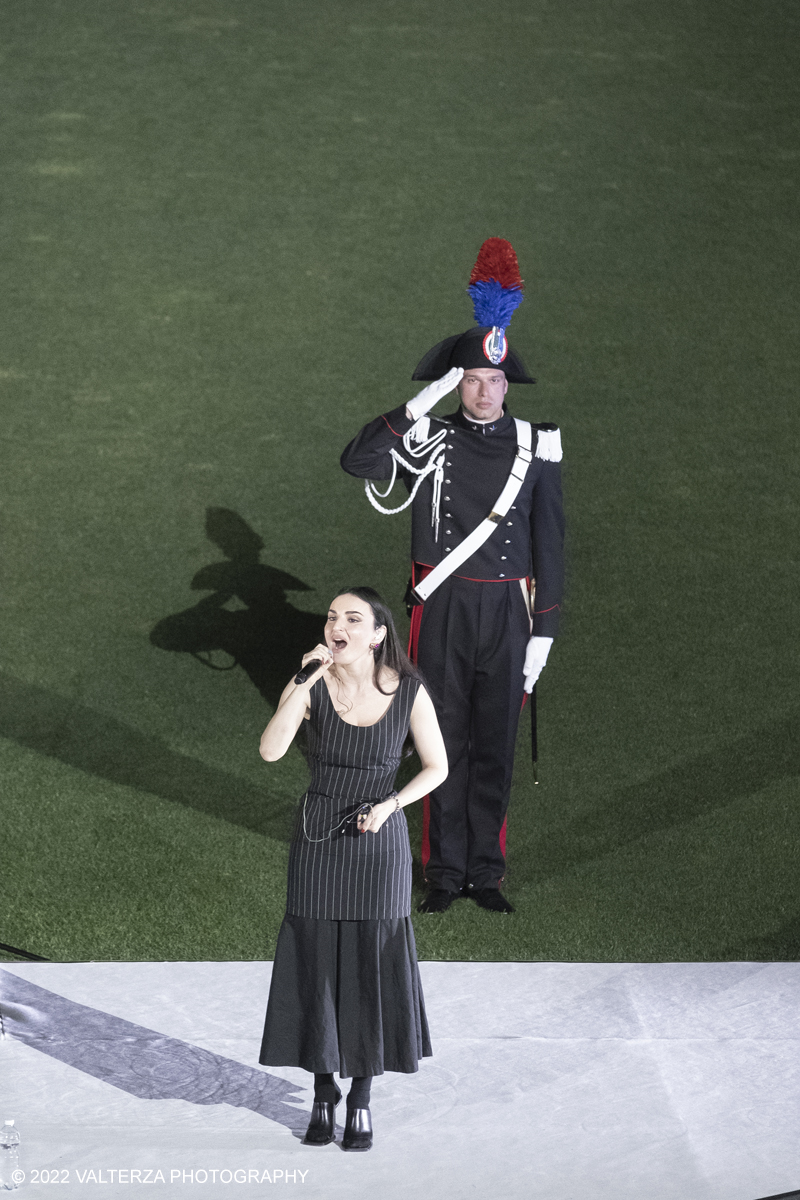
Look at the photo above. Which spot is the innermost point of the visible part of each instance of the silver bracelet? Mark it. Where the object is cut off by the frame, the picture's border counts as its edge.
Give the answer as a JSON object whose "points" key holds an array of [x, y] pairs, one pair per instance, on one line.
{"points": [[394, 796]]}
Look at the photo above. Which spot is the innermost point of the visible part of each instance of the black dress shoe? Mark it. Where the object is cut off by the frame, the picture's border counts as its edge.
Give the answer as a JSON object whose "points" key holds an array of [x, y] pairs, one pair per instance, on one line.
{"points": [[491, 899], [322, 1126], [357, 1130], [438, 900]]}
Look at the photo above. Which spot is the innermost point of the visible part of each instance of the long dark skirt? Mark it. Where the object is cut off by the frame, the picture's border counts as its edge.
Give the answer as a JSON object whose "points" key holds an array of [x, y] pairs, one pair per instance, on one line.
{"points": [[346, 998]]}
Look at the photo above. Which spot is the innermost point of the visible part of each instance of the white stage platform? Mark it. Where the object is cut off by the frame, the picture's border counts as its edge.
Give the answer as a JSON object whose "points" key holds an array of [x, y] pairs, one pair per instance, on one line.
{"points": [[550, 1081]]}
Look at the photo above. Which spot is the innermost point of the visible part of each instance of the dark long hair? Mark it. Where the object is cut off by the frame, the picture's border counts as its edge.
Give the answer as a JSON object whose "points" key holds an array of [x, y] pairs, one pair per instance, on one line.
{"points": [[390, 653]]}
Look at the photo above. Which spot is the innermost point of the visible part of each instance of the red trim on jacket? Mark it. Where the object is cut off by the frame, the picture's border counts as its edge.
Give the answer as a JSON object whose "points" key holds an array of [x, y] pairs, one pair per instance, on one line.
{"points": [[505, 579], [394, 431]]}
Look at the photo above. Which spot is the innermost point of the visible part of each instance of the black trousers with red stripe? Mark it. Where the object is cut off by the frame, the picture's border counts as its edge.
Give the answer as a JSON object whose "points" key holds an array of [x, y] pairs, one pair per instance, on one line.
{"points": [[471, 649]]}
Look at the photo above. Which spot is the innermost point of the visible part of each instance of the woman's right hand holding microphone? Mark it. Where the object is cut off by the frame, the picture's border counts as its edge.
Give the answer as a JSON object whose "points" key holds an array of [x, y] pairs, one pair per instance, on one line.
{"points": [[320, 654]]}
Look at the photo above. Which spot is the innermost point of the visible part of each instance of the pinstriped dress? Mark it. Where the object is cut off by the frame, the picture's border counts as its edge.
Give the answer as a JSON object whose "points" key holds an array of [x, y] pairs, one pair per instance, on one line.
{"points": [[345, 994]]}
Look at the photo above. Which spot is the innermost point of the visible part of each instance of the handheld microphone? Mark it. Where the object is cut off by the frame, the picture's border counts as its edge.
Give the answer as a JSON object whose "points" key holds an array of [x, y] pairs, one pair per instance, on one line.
{"points": [[309, 669]]}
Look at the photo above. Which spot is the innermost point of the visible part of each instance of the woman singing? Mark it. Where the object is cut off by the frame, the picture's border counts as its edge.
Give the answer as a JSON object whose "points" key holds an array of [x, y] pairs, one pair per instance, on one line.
{"points": [[345, 994]]}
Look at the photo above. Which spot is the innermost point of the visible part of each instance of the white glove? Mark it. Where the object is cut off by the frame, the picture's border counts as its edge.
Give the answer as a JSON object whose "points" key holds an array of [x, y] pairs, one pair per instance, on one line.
{"points": [[535, 658], [433, 393]]}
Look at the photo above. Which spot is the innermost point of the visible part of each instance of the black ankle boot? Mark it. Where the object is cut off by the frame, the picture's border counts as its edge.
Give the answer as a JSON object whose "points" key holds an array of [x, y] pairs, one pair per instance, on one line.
{"points": [[357, 1130], [322, 1126]]}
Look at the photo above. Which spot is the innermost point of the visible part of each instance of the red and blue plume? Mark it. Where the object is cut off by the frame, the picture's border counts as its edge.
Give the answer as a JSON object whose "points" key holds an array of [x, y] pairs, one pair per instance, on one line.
{"points": [[495, 284]]}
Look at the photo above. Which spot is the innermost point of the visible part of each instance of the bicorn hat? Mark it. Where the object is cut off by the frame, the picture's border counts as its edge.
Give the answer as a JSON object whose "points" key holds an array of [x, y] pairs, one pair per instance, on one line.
{"points": [[495, 286]]}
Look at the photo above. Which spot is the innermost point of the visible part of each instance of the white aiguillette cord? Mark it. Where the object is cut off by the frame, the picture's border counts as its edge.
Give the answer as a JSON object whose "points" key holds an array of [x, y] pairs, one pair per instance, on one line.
{"points": [[429, 445], [475, 540]]}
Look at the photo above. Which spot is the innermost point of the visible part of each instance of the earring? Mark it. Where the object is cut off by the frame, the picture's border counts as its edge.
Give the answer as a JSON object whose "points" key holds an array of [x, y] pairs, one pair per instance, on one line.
{"points": [[374, 646]]}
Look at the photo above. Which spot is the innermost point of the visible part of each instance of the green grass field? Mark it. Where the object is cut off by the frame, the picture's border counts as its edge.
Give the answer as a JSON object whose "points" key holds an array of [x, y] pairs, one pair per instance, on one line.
{"points": [[230, 229]]}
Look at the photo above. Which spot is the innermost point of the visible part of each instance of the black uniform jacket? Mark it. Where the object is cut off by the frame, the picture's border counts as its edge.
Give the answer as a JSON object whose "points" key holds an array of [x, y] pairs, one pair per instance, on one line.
{"points": [[529, 541]]}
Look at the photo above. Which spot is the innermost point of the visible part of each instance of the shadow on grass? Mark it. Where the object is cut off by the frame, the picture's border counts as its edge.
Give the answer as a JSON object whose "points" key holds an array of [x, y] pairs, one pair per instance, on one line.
{"points": [[676, 796], [264, 634], [103, 746]]}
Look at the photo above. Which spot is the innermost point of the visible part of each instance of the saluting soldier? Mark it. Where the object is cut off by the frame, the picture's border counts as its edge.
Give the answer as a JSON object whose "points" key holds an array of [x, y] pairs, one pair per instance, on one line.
{"points": [[487, 571]]}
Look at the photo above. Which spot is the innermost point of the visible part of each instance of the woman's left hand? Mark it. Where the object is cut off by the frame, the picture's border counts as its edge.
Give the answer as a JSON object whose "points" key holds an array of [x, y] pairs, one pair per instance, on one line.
{"points": [[371, 822]]}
